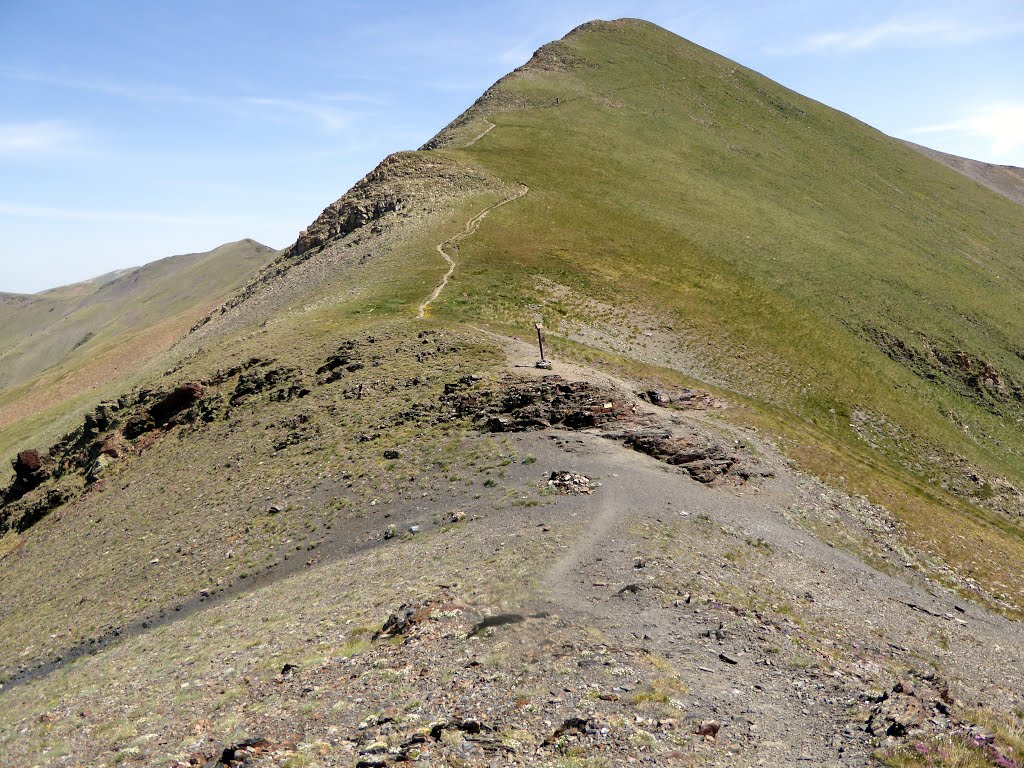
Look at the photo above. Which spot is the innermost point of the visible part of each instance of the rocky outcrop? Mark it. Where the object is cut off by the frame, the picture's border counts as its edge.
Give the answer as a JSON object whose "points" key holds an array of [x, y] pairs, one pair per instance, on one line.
{"points": [[165, 411], [45, 480], [119, 429], [31, 470], [702, 460], [344, 217], [518, 406], [28, 469], [403, 185], [913, 706], [681, 397], [339, 364], [257, 381], [167, 408], [967, 374], [116, 430], [396, 183]]}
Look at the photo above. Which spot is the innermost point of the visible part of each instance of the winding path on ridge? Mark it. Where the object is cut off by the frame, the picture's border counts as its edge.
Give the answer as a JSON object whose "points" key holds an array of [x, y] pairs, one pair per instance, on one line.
{"points": [[490, 127], [471, 226]]}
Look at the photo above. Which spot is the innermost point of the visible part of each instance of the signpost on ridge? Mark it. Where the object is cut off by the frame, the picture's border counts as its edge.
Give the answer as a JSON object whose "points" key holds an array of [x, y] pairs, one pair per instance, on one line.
{"points": [[542, 363]]}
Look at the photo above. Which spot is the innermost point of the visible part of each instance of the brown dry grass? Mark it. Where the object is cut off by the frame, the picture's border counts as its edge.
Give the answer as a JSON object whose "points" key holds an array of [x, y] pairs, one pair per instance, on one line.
{"points": [[124, 355]]}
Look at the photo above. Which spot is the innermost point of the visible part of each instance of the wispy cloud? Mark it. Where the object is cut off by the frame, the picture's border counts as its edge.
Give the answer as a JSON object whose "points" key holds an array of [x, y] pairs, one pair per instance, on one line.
{"points": [[327, 116], [42, 137], [917, 31], [1000, 126], [351, 97], [18, 210], [134, 91], [322, 110]]}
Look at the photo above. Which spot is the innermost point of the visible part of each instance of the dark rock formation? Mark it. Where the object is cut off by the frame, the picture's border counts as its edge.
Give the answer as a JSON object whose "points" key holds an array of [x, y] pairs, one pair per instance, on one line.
{"points": [[524, 405], [164, 411]]}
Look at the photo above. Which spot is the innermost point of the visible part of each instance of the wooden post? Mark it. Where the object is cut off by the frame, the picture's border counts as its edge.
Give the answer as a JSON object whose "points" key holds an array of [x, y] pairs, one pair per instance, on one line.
{"points": [[543, 362]]}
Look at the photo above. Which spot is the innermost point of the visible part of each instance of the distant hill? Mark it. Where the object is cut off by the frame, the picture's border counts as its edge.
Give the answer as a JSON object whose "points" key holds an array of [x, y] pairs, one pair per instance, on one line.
{"points": [[38, 331], [67, 340], [1007, 180]]}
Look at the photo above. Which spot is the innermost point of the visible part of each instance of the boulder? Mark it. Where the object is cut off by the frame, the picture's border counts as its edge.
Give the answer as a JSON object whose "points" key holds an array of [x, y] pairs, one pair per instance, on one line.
{"points": [[98, 467], [27, 463], [29, 473]]}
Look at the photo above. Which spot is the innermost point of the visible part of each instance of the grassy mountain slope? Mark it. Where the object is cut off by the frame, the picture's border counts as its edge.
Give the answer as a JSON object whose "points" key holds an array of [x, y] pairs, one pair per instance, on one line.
{"points": [[63, 343], [316, 520], [794, 242], [863, 293]]}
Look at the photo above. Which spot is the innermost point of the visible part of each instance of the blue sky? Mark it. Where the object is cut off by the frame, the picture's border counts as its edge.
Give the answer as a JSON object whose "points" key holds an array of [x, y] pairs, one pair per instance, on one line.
{"points": [[130, 131]]}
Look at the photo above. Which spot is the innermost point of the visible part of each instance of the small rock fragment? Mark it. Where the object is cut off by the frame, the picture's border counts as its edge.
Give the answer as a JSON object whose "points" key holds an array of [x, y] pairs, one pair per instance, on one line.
{"points": [[570, 483], [709, 729]]}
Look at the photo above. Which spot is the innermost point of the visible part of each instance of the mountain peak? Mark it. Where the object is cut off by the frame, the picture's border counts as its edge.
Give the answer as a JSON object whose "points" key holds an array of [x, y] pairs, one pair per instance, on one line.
{"points": [[657, 391]]}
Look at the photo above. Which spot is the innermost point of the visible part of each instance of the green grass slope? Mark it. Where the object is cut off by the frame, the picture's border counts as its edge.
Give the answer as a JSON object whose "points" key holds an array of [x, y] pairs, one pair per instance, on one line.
{"points": [[866, 298]]}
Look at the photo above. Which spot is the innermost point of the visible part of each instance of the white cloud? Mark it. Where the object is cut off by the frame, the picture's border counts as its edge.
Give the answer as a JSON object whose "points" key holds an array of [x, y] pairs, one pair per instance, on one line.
{"points": [[999, 126], [41, 137], [918, 31], [137, 92], [328, 117]]}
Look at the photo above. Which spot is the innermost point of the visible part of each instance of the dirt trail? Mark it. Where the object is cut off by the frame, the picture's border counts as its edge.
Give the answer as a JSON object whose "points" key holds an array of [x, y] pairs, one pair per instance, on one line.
{"points": [[875, 622], [490, 127], [587, 585], [593, 538], [882, 621], [471, 226]]}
